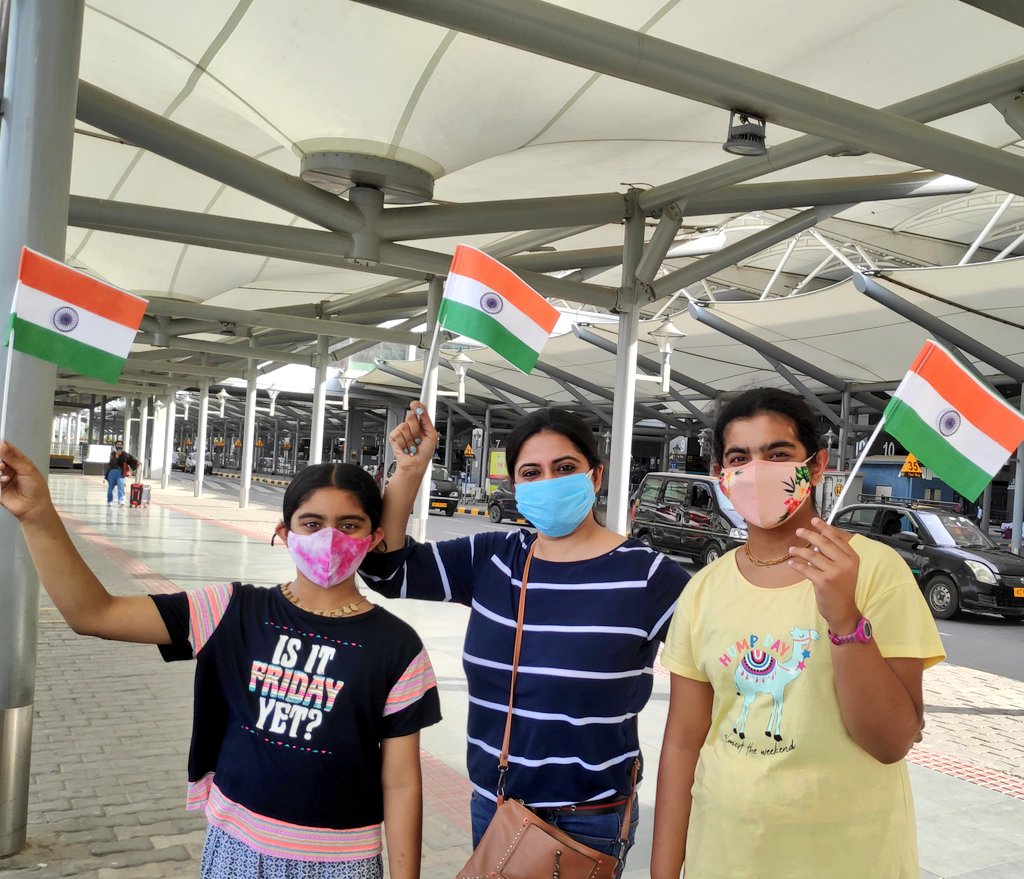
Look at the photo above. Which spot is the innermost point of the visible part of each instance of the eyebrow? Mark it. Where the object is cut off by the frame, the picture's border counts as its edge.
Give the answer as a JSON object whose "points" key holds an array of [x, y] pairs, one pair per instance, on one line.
{"points": [[767, 447], [357, 517], [572, 458]]}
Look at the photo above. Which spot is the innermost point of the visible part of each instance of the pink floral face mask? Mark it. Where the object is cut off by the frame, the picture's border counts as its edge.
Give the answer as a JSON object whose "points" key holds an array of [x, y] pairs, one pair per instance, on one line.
{"points": [[327, 557], [767, 493]]}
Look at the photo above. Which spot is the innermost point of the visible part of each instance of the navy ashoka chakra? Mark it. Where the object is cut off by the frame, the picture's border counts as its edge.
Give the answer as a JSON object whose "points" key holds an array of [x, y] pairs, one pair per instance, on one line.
{"points": [[949, 422], [491, 302], [65, 319]]}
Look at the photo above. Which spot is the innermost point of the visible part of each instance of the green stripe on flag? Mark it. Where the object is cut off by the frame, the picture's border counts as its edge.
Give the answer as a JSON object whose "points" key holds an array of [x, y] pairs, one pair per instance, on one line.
{"points": [[478, 325], [934, 451], [66, 352]]}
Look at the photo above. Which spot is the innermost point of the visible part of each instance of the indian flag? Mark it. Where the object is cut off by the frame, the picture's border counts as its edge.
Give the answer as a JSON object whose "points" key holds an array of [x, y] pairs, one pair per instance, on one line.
{"points": [[489, 303], [952, 422], [69, 318]]}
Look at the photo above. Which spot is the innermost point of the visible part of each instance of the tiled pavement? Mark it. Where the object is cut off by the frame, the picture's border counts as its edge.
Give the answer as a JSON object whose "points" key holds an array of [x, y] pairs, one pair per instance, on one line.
{"points": [[112, 722]]}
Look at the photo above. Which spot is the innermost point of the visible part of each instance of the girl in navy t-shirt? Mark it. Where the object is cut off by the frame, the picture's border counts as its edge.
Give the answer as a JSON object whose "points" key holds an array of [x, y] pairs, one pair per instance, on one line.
{"points": [[309, 699]]}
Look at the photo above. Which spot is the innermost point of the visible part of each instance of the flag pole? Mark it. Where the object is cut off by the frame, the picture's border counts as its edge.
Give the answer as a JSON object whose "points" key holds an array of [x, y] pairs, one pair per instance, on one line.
{"points": [[853, 471], [428, 396], [7, 384]]}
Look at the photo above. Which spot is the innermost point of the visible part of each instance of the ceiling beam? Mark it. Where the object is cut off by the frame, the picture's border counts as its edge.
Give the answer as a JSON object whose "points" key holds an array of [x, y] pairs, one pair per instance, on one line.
{"points": [[593, 44], [202, 154], [333, 329], [939, 103], [1008, 10], [884, 296], [727, 256]]}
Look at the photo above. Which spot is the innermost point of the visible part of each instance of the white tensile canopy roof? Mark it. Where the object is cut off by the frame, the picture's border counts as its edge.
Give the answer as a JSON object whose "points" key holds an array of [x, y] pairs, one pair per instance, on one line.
{"points": [[486, 123]]}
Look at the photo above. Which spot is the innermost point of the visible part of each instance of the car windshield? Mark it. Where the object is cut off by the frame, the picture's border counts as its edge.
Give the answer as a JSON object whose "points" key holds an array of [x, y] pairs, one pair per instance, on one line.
{"points": [[951, 529], [439, 473]]}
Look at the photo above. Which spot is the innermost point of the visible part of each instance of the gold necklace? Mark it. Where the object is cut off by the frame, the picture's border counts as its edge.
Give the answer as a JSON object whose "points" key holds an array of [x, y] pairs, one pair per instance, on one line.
{"points": [[764, 563], [344, 611]]}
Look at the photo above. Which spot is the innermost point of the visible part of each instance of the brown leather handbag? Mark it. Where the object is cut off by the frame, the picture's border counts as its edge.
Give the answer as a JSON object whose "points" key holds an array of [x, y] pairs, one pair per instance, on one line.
{"points": [[519, 845]]}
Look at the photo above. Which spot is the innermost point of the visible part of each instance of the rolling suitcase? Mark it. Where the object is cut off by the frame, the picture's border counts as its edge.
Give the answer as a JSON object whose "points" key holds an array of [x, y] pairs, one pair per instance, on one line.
{"points": [[136, 493]]}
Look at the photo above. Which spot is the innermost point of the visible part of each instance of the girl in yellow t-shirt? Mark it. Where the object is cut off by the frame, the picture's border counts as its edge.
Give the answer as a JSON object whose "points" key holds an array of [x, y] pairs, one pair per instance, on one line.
{"points": [[796, 679]]}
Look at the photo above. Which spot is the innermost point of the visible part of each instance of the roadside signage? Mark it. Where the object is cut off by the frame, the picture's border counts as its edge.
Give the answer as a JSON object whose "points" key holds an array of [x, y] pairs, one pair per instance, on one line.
{"points": [[468, 452], [911, 468]]}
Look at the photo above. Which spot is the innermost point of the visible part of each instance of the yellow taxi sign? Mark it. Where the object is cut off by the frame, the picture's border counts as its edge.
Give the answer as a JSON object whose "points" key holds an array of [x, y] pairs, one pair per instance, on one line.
{"points": [[911, 468], [468, 451]]}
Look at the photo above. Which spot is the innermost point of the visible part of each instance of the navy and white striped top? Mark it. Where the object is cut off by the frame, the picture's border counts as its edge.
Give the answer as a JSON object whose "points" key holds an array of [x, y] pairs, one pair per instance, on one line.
{"points": [[590, 637]]}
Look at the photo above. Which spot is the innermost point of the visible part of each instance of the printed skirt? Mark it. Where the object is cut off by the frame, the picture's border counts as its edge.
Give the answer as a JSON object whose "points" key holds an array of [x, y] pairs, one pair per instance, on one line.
{"points": [[225, 857]]}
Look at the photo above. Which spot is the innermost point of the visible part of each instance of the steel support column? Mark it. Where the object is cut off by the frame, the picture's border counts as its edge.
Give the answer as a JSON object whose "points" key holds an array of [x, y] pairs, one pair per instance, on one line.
{"points": [[145, 408], [168, 450], [625, 373], [248, 435], [201, 440], [316, 427]]}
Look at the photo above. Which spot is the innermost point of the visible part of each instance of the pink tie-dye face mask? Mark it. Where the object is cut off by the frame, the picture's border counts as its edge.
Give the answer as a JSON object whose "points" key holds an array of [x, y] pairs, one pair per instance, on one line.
{"points": [[327, 557], [767, 493]]}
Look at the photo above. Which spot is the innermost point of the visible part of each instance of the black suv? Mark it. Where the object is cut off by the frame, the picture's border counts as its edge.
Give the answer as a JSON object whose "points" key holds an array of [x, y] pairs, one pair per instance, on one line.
{"points": [[686, 514], [957, 565], [444, 495]]}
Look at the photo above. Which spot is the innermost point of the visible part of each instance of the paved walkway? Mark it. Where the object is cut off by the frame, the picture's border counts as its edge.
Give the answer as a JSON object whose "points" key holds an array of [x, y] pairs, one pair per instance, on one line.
{"points": [[112, 720]]}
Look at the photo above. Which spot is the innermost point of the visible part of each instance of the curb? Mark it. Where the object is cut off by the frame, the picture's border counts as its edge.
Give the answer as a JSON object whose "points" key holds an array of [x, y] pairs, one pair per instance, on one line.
{"points": [[472, 511], [253, 478]]}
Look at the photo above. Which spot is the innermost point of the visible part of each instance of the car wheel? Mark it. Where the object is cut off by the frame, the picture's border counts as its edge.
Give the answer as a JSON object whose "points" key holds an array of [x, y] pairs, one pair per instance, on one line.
{"points": [[494, 513], [449, 511], [943, 597], [712, 552], [645, 539]]}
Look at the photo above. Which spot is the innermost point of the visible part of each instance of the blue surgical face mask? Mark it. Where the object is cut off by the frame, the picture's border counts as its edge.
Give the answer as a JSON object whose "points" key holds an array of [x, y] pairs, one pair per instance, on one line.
{"points": [[556, 506]]}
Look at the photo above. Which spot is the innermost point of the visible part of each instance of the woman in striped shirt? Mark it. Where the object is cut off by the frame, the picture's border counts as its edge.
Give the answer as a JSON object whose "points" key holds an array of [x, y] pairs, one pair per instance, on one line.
{"points": [[597, 607]]}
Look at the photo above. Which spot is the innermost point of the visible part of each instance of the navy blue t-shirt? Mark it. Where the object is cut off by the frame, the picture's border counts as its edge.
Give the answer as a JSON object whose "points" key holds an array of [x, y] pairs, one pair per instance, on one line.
{"points": [[291, 707]]}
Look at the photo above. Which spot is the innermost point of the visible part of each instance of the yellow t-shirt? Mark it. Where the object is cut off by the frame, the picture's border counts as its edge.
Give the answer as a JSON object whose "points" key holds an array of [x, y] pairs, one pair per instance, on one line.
{"points": [[781, 790]]}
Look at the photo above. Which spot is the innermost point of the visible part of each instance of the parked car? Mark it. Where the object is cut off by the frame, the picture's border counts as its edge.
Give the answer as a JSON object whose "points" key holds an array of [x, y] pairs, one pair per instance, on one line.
{"points": [[957, 565], [686, 514], [444, 495], [190, 463], [502, 503]]}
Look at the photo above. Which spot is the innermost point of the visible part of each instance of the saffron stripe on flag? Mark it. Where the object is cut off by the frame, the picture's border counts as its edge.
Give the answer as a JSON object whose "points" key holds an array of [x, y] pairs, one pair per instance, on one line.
{"points": [[36, 307], [68, 353], [969, 439], [961, 390], [469, 291], [74, 288], [473, 263], [480, 326], [932, 450]]}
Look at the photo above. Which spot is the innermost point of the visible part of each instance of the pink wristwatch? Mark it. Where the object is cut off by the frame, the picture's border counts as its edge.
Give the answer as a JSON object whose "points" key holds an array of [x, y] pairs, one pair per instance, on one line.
{"points": [[862, 634]]}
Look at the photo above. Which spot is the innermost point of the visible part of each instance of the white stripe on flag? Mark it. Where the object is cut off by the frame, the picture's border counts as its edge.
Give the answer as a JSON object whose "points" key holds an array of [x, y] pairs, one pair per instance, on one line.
{"points": [[469, 291], [968, 440], [38, 308]]}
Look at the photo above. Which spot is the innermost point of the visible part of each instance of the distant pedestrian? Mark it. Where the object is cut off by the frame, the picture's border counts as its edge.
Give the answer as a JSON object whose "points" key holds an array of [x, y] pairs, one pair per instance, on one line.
{"points": [[309, 700], [120, 465]]}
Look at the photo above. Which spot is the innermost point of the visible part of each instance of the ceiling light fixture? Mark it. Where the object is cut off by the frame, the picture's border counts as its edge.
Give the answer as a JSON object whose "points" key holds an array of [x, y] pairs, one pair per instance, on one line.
{"points": [[746, 135]]}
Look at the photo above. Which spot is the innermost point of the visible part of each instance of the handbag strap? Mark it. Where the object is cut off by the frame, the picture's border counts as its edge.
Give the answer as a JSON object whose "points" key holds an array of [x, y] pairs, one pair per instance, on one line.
{"points": [[503, 757]]}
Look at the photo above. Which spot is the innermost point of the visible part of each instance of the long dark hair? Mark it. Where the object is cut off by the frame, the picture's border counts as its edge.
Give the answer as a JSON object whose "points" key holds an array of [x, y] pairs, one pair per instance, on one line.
{"points": [[758, 401], [569, 425], [347, 477]]}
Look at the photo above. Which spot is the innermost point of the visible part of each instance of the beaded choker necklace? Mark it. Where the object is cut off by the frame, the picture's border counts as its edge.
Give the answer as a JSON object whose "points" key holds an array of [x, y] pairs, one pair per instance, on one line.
{"points": [[345, 610]]}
